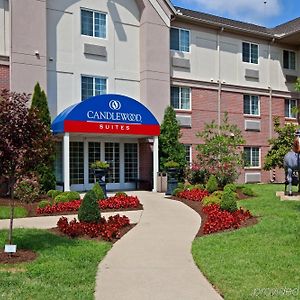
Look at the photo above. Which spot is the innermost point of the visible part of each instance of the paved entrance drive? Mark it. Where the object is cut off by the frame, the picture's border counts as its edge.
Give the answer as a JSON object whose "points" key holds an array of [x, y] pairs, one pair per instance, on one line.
{"points": [[153, 261]]}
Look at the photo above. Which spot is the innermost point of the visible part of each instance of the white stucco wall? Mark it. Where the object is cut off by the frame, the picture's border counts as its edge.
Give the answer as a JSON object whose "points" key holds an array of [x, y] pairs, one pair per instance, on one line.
{"points": [[66, 58], [203, 58]]}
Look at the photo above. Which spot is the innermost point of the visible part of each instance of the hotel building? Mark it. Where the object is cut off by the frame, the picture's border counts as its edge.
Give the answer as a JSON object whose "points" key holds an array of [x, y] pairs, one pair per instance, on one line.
{"points": [[157, 54]]}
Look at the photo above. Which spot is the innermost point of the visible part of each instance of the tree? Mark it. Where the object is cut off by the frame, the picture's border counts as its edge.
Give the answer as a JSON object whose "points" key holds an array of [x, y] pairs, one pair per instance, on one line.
{"points": [[24, 141], [45, 170], [39, 101], [89, 210], [219, 154], [280, 145], [170, 149]]}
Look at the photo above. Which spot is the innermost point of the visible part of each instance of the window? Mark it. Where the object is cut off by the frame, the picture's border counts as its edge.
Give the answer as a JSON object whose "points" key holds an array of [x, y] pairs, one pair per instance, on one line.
{"points": [[188, 153], [252, 156], [289, 60], [130, 162], [290, 108], [180, 40], [112, 156], [251, 105], [250, 53], [94, 154], [76, 163], [93, 23], [180, 97], [92, 86]]}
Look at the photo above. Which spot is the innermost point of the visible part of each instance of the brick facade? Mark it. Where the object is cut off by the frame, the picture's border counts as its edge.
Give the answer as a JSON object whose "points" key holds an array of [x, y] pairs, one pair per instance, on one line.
{"points": [[204, 110], [4, 77]]}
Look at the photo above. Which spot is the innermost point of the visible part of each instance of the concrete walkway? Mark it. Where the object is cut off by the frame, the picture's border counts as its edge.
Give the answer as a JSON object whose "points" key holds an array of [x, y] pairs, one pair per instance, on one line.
{"points": [[153, 261], [50, 221]]}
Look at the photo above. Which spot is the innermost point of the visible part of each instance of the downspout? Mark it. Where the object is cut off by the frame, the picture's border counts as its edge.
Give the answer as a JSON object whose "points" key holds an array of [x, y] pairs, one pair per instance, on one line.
{"points": [[272, 173]]}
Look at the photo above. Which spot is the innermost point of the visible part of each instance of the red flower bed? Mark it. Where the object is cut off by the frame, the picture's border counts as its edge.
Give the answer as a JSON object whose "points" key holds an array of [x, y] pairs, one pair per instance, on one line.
{"points": [[121, 201], [194, 195], [108, 230], [219, 220], [115, 202]]}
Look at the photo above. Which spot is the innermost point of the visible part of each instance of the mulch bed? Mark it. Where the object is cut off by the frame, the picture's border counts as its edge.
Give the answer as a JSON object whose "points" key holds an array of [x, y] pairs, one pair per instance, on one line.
{"points": [[197, 207], [22, 256], [122, 231], [31, 208], [19, 257]]}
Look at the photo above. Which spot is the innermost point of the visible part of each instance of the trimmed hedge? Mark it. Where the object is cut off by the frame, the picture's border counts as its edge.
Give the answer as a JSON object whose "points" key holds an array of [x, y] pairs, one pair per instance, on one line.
{"points": [[89, 210], [66, 197]]}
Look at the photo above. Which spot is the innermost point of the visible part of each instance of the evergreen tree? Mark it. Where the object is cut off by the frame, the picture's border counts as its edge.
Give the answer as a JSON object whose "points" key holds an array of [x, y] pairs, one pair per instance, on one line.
{"points": [[89, 210], [39, 101], [46, 170], [280, 145], [170, 149]]}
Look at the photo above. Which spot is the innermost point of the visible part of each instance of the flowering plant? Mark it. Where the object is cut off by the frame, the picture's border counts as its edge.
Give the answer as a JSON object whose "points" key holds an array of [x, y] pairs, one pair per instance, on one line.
{"points": [[99, 165]]}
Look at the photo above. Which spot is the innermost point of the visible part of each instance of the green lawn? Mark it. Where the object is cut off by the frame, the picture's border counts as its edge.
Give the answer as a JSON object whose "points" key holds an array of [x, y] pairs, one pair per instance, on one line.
{"points": [[258, 262], [65, 268], [19, 212]]}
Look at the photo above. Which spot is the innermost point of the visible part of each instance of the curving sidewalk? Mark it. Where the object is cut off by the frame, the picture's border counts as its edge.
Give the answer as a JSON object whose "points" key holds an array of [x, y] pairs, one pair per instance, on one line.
{"points": [[154, 261]]}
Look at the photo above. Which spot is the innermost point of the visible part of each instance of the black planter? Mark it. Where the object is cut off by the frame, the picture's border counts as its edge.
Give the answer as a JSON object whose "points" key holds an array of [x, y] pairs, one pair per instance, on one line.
{"points": [[99, 174], [172, 181]]}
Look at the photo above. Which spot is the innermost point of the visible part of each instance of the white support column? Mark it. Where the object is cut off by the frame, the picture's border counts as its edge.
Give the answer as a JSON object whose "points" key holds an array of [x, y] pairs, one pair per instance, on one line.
{"points": [[155, 162], [66, 159], [86, 163]]}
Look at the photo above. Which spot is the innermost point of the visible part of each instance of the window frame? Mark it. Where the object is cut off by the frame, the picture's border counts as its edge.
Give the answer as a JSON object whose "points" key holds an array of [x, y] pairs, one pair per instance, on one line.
{"points": [[251, 162], [94, 11], [251, 114], [290, 116], [190, 154], [289, 60], [181, 29], [94, 77], [249, 62], [190, 98]]}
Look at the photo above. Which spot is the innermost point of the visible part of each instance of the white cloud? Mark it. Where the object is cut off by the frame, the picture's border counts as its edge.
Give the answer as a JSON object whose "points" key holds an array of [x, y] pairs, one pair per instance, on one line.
{"points": [[254, 11]]}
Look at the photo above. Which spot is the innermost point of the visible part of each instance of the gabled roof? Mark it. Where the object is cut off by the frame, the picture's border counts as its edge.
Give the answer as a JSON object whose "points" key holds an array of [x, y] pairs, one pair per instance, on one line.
{"points": [[280, 31]]}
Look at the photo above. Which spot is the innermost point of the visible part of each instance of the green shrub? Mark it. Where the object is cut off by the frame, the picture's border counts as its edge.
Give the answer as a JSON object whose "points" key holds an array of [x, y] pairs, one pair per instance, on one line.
{"points": [[212, 199], [228, 201], [98, 191], [66, 197], [230, 186], [121, 194], [61, 198], [53, 193], [197, 187], [212, 184], [89, 210], [47, 178], [177, 190], [218, 194], [72, 195], [44, 203], [248, 191]]}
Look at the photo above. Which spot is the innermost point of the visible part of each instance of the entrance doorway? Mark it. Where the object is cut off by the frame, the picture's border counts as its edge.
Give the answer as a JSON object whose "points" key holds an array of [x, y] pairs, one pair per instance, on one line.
{"points": [[122, 158]]}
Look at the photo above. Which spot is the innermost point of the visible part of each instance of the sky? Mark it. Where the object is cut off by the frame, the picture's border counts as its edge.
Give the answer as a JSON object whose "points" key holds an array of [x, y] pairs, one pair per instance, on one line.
{"points": [[269, 14]]}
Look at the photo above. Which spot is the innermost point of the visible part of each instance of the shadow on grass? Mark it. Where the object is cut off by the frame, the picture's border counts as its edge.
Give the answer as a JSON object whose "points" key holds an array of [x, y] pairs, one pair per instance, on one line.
{"points": [[36, 239]]}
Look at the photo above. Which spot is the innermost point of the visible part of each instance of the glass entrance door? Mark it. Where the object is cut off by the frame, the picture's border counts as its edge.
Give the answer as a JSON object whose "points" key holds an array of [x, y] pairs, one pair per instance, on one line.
{"points": [[112, 156]]}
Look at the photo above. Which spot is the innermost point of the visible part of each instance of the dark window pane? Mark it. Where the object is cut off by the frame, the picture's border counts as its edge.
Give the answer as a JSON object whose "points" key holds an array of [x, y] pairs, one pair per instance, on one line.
{"points": [[174, 39], [285, 59], [246, 52]]}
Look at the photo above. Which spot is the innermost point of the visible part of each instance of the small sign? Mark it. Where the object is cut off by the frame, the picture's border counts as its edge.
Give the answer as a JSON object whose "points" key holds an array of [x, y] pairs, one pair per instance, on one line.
{"points": [[10, 249]]}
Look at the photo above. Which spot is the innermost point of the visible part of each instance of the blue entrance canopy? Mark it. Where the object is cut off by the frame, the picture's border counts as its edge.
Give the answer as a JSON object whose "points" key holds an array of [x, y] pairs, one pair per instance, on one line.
{"points": [[110, 113]]}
